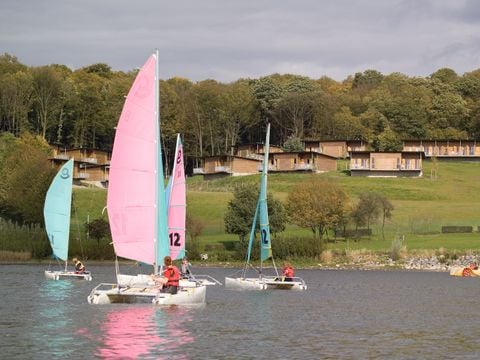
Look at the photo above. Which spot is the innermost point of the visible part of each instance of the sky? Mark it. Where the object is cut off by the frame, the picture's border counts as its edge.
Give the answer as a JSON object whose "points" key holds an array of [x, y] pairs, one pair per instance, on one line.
{"points": [[227, 40]]}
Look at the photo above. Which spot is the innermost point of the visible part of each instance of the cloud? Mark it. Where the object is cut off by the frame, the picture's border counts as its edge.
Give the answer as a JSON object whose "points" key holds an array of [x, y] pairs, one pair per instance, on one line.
{"points": [[226, 40]]}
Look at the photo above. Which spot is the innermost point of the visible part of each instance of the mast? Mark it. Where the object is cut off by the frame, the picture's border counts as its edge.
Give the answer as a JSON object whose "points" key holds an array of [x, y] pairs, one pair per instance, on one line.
{"points": [[159, 162], [265, 244], [161, 227]]}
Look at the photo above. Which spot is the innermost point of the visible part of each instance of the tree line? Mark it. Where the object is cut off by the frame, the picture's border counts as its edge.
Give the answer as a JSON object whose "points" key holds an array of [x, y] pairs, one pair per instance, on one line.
{"points": [[80, 108], [315, 204]]}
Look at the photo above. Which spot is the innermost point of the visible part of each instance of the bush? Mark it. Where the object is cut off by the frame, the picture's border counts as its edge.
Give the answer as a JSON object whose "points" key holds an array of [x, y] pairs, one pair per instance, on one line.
{"points": [[456, 229], [308, 247], [397, 248]]}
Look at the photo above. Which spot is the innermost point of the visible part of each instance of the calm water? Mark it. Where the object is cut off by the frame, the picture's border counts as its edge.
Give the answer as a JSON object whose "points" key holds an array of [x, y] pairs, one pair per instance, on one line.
{"points": [[343, 315]]}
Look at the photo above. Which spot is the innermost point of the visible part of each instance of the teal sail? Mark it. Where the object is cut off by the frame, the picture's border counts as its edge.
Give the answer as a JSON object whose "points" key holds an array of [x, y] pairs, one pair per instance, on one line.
{"points": [[261, 211], [56, 210], [265, 243], [162, 248]]}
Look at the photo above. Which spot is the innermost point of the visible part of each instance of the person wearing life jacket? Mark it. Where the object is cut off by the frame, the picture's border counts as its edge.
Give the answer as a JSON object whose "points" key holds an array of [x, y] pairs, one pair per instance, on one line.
{"points": [[171, 277], [185, 269], [288, 272], [79, 267]]}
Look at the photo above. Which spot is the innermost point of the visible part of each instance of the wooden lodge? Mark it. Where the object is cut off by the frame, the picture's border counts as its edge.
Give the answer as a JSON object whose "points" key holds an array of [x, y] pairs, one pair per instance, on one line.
{"points": [[89, 166], [306, 161], [339, 149], [445, 149], [386, 164]]}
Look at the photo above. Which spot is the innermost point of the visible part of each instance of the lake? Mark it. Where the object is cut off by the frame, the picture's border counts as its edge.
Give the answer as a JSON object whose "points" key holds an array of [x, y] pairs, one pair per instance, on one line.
{"points": [[342, 315]]}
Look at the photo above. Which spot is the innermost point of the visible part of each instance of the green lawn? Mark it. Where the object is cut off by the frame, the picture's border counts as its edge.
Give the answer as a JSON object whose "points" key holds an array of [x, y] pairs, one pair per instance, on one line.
{"points": [[422, 205]]}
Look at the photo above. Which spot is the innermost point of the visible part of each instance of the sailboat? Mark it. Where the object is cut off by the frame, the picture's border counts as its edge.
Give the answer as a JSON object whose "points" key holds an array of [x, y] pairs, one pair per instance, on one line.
{"points": [[56, 212], [136, 200], [262, 282]]}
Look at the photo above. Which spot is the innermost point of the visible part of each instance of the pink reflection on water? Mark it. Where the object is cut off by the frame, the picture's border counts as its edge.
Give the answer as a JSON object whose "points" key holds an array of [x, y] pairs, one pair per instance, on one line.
{"points": [[139, 332]]}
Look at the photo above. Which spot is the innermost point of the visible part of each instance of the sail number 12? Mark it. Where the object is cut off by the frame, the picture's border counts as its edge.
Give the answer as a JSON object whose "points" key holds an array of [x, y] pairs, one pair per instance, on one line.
{"points": [[174, 239]]}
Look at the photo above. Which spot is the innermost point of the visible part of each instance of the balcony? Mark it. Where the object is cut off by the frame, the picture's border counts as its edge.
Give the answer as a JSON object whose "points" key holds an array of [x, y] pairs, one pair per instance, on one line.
{"points": [[198, 171], [90, 160], [62, 157], [303, 166], [225, 169], [82, 176]]}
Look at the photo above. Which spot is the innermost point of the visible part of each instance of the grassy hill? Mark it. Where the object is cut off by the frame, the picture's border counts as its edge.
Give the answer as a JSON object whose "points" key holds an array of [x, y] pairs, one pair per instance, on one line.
{"points": [[422, 206]]}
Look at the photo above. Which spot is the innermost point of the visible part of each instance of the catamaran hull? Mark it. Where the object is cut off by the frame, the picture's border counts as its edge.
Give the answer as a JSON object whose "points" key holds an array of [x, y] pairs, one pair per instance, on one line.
{"points": [[464, 271], [245, 284], [135, 295], [286, 285], [67, 275], [146, 280]]}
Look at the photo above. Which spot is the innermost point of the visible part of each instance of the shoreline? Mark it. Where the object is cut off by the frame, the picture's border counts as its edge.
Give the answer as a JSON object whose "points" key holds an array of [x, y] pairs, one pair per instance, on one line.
{"points": [[430, 264]]}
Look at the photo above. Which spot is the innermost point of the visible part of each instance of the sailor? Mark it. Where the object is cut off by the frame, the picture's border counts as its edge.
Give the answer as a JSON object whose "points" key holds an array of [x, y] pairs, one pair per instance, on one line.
{"points": [[288, 272], [185, 269], [168, 283], [79, 267]]}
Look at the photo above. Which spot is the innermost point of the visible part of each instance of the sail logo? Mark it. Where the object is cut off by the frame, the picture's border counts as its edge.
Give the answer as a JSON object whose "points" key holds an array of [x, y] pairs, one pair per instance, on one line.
{"points": [[65, 174], [179, 157]]}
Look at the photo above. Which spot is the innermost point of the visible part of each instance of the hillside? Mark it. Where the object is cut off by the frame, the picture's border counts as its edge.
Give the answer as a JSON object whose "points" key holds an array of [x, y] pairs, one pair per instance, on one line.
{"points": [[422, 205]]}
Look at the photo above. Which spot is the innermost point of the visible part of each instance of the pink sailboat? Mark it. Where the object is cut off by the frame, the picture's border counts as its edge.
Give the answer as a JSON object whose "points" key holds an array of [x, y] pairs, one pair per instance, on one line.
{"points": [[136, 201]]}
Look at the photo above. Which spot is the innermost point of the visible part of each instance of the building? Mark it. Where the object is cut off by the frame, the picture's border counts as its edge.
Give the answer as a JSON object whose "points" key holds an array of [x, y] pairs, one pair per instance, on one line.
{"points": [[386, 164], [336, 148], [89, 166], [310, 161], [228, 165], [445, 149]]}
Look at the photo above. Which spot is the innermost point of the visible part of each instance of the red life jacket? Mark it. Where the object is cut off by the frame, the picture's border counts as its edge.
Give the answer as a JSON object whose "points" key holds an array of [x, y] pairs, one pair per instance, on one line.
{"points": [[288, 271], [172, 274]]}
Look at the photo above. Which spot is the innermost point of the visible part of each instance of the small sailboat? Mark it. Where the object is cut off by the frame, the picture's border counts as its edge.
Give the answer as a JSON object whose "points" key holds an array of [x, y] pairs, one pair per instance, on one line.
{"points": [[471, 270], [56, 212], [136, 200], [263, 282]]}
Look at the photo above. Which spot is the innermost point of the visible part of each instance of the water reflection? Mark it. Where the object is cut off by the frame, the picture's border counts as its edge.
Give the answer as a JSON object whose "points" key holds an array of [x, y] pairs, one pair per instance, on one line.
{"points": [[144, 331]]}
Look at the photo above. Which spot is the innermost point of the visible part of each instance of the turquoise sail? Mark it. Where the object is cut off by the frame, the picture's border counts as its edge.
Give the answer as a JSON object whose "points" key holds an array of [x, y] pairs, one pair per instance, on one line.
{"points": [[261, 211], [265, 243], [162, 248], [56, 210]]}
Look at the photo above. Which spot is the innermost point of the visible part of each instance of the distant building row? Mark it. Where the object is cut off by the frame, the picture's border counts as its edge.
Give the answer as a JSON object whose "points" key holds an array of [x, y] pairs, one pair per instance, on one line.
{"points": [[321, 156], [91, 165]]}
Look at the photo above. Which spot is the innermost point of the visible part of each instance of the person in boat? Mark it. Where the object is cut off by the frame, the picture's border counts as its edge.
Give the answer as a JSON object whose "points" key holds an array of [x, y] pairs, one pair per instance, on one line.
{"points": [[185, 270], [168, 283], [79, 267], [288, 272]]}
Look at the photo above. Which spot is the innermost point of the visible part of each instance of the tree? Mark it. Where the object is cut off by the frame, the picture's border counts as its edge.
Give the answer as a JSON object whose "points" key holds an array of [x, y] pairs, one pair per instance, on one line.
{"points": [[318, 205], [293, 143], [25, 176], [368, 209], [97, 229], [241, 210]]}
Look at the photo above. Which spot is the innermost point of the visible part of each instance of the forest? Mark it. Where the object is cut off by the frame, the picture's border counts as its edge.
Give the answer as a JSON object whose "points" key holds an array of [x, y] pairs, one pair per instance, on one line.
{"points": [[80, 108]]}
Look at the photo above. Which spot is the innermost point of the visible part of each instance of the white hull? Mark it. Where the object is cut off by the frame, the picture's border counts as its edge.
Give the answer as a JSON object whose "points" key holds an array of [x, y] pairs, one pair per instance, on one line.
{"points": [[142, 280], [67, 275], [112, 294], [274, 284], [245, 284], [264, 283]]}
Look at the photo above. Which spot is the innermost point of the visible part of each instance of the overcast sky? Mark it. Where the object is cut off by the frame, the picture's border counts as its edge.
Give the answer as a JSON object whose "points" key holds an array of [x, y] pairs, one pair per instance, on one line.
{"points": [[227, 40]]}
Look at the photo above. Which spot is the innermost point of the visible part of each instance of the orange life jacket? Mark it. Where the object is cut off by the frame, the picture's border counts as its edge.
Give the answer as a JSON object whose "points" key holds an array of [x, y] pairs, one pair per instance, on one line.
{"points": [[172, 274], [288, 271]]}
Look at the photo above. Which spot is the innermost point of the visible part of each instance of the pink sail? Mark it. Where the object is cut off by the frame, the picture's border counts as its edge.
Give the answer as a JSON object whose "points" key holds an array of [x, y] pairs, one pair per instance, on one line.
{"points": [[131, 199], [177, 204]]}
